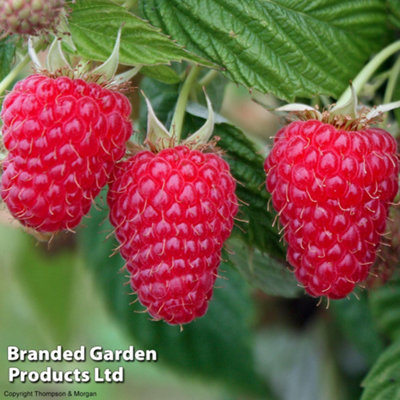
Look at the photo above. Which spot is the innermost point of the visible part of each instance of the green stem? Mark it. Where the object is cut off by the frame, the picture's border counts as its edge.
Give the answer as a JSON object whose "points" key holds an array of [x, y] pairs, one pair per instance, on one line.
{"points": [[179, 115], [367, 72], [371, 87], [8, 80], [208, 77], [391, 84]]}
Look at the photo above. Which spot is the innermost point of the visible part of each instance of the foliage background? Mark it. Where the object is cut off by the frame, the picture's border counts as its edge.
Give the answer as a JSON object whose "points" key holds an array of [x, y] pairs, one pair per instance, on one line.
{"points": [[262, 338]]}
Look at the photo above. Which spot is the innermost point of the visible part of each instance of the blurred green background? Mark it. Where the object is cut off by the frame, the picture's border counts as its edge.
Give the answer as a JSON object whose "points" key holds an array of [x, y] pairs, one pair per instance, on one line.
{"points": [[289, 349], [48, 298]]}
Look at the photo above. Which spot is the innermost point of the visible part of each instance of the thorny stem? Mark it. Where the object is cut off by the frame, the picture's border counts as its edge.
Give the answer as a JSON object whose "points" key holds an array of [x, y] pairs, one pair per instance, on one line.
{"points": [[366, 73], [7, 81], [179, 115], [208, 77]]}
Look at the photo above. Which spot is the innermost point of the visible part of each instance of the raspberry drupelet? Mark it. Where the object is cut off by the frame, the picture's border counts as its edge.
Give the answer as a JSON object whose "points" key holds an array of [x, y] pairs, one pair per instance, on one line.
{"points": [[172, 212], [332, 189]]}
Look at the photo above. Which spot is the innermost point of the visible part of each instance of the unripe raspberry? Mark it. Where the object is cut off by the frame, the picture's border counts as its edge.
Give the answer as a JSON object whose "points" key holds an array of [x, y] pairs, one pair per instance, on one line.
{"points": [[172, 212], [29, 17], [63, 136], [332, 189]]}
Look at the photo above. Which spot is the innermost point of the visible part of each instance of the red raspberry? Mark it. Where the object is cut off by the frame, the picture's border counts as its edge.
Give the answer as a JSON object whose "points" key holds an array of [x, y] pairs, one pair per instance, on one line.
{"points": [[172, 212], [332, 189], [64, 136]]}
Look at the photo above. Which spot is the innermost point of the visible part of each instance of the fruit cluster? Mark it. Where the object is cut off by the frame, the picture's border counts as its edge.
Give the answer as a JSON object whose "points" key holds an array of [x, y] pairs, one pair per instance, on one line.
{"points": [[172, 210], [331, 177], [173, 206]]}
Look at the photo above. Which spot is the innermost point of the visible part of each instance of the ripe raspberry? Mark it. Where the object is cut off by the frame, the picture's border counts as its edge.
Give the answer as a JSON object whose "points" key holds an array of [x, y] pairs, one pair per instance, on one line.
{"points": [[29, 17], [64, 136], [172, 212], [332, 189]]}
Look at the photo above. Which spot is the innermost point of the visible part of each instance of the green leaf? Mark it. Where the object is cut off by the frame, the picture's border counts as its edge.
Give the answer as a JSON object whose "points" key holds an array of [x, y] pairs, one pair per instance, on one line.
{"points": [[94, 25], [385, 307], [7, 53], [393, 12], [286, 47], [383, 380], [262, 271], [217, 346], [247, 168], [162, 73], [353, 317]]}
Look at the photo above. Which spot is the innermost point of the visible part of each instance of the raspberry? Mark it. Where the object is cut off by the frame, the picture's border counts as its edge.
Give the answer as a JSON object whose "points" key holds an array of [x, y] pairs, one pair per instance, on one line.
{"points": [[64, 136], [172, 212], [332, 189], [29, 17]]}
